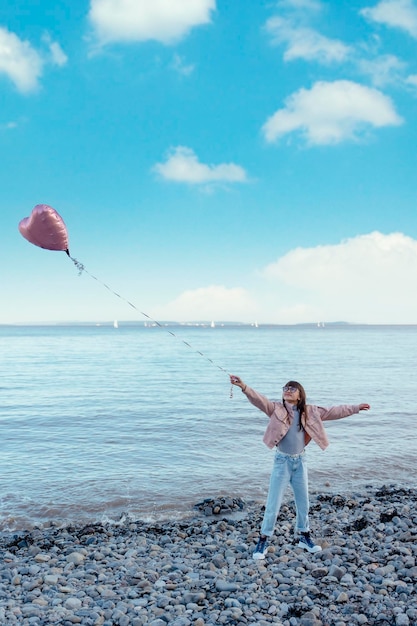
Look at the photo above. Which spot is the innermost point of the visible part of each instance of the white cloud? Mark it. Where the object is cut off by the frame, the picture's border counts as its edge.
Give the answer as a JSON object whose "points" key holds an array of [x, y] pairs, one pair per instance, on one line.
{"points": [[412, 81], [309, 5], [383, 70], [19, 61], [306, 43], [179, 65], [396, 13], [141, 20], [366, 279], [215, 302], [58, 56], [8, 126], [331, 112], [182, 166]]}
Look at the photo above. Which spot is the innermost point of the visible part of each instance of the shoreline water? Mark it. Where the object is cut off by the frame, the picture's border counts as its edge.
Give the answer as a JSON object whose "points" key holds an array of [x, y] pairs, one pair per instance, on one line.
{"points": [[133, 510], [139, 507], [199, 571]]}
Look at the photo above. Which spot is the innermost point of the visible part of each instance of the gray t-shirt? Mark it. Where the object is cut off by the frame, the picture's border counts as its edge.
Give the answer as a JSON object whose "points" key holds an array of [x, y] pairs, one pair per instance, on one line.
{"points": [[293, 442]]}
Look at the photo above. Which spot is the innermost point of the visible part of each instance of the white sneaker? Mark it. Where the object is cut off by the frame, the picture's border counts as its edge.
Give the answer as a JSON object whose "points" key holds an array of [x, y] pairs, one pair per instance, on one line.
{"points": [[307, 543], [261, 549]]}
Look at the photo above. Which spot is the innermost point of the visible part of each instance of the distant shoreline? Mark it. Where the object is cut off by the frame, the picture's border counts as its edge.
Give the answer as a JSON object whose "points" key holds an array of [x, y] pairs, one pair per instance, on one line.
{"points": [[199, 324]]}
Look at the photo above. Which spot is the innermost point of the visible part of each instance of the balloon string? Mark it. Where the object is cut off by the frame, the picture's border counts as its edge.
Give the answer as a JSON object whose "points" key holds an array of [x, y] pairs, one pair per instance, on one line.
{"points": [[81, 268]]}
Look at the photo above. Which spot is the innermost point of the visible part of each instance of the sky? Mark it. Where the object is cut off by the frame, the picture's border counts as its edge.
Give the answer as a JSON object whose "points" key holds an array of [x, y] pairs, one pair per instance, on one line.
{"points": [[212, 160]]}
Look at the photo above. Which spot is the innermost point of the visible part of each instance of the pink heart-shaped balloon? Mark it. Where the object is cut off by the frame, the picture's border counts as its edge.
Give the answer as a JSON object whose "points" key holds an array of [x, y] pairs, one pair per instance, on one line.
{"points": [[45, 228]]}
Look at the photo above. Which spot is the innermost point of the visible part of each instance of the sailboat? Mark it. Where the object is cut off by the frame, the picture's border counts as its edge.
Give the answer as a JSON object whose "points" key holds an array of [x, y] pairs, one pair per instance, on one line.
{"points": [[115, 324], [212, 325]]}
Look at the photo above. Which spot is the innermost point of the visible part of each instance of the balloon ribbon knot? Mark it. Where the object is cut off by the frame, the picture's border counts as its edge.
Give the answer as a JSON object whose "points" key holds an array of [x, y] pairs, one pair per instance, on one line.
{"points": [[80, 267]]}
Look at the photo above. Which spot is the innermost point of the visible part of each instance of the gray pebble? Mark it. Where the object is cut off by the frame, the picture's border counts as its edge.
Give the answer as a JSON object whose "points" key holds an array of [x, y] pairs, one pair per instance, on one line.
{"points": [[224, 585], [200, 571]]}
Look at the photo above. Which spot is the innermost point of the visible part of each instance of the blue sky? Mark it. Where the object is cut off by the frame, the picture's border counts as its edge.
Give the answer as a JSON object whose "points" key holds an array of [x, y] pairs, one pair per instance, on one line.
{"points": [[212, 160]]}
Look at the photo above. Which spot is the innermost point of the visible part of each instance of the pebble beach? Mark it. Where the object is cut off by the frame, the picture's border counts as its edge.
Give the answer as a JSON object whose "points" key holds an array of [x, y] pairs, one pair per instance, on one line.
{"points": [[199, 570]]}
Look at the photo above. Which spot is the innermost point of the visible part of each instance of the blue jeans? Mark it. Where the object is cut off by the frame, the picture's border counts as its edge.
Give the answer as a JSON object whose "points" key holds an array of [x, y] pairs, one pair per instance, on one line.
{"points": [[288, 470]]}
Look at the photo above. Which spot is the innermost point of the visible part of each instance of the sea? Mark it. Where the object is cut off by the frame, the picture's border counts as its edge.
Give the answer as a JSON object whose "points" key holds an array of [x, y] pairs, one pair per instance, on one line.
{"points": [[100, 422]]}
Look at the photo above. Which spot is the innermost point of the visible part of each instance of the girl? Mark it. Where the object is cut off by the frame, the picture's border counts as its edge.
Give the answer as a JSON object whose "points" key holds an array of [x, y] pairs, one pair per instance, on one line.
{"points": [[292, 425]]}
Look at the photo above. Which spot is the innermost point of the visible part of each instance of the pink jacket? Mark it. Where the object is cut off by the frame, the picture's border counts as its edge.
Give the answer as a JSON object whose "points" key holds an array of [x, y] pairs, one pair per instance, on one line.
{"points": [[279, 419]]}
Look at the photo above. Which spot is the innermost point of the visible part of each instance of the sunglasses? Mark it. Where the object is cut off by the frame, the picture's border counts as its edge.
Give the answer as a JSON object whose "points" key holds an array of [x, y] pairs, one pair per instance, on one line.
{"points": [[289, 388]]}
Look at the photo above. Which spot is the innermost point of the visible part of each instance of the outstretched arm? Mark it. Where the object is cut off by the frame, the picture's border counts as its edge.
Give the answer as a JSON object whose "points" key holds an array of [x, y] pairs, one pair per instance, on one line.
{"points": [[343, 410], [261, 402]]}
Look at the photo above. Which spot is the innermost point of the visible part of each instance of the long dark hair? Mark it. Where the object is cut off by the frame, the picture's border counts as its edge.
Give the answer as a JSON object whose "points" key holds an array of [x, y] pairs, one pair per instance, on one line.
{"points": [[301, 402]]}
